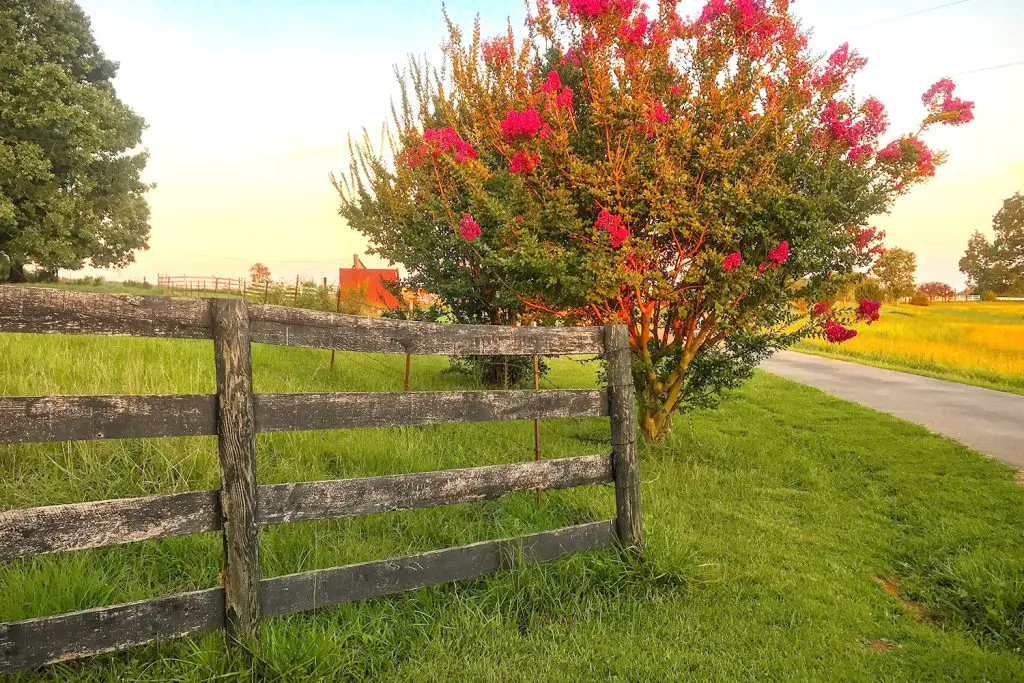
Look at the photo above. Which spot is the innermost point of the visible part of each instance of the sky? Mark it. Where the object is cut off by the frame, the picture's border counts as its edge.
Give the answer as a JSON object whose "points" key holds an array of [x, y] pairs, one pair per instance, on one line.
{"points": [[250, 103]]}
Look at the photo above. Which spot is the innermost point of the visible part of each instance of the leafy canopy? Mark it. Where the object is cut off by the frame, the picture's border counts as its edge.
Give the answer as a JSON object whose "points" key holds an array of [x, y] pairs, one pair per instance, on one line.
{"points": [[998, 266], [69, 178], [691, 177]]}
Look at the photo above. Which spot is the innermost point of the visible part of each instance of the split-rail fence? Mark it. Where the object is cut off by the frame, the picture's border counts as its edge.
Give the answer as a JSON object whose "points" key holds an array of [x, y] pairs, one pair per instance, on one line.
{"points": [[242, 506]]}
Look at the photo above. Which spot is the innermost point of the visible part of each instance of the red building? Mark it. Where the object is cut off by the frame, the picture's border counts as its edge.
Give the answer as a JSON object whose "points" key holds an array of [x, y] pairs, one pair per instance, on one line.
{"points": [[373, 279]]}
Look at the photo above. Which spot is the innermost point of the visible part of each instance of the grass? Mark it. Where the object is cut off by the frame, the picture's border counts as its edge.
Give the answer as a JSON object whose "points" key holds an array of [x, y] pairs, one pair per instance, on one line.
{"points": [[769, 523], [980, 343]]}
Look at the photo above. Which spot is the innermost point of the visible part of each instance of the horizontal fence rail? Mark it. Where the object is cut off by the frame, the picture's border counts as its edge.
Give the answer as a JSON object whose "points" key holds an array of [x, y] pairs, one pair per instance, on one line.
{"points": [[47, 310], [39, 419], [242, 506], [78, 526], [35, 642]]}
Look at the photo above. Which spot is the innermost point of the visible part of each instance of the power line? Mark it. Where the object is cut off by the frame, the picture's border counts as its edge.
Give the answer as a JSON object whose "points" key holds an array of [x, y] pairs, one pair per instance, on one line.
{"points": [[990, 68], [910, 14]]}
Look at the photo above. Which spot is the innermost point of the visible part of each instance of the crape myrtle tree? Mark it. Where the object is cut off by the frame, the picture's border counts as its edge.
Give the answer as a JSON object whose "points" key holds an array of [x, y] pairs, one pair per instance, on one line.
{"points": [[70, 188], [691, 177]]}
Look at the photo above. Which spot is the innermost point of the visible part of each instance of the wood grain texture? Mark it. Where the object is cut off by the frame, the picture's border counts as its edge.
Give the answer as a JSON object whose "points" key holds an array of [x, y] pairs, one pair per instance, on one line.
{"points": [[47, 310], [325, 587], [323, 330], [628, 521], [32, 643], [76, 526], [37, 419], [299, 412], [236, 446], [283, 503]]}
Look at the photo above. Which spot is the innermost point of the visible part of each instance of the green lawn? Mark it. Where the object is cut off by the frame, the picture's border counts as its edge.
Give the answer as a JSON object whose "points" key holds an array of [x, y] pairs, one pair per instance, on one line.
{"points": [[767, 521]]}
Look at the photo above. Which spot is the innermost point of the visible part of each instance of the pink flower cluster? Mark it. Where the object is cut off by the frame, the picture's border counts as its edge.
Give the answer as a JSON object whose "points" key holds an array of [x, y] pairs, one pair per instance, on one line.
{"points": [[836, 333], [612, 224], [732, 261], [593, 8], [821, 309], [778, 254], [840, 65], [524, 162], [635, 31], [868, 240], [858, 131], [440, 141], [868, 309], [922, 157], [497, 51], [521, 124], [551, 87], [941, 103], [469, 228]]}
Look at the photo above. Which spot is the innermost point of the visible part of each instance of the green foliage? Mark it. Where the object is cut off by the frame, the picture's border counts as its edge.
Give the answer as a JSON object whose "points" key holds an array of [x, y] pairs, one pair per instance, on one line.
{"points": [[989, 295], [920, 299], [998, 265], [70, 191], [869, 288], [895, 270]]}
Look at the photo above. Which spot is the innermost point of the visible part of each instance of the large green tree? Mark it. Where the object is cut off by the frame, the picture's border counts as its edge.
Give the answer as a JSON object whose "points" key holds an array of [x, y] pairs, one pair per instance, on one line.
{"points": [[70, 190], [998, 266], [895, 269]]}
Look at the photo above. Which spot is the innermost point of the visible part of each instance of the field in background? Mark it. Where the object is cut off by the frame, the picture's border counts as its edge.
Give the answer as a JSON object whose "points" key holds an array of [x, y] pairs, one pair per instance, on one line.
{"points": [[980, 343], [770, 524]]}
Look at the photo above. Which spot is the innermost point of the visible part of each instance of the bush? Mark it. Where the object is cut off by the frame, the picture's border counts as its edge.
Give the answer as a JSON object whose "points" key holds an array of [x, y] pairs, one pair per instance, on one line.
{"points": [[870, 288], [988, 295], [920, 299]]}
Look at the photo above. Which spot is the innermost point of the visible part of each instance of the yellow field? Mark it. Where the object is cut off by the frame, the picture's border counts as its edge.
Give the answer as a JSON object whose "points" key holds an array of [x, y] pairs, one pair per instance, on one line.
{"points": [[978, 343]]}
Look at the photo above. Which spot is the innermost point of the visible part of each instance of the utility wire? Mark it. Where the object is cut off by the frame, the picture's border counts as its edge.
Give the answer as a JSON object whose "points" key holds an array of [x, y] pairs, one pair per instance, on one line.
{"points": [[990, 68], [910, 14]]}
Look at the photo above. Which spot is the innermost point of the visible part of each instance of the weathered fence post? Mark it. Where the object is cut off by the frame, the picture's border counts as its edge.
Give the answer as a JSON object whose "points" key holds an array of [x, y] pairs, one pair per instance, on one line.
{"points": [[628, 523], [236, 442]]}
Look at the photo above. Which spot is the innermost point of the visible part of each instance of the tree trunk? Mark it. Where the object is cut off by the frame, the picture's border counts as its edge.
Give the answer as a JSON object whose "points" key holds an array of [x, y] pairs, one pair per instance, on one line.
{"points": [[17, 273]]}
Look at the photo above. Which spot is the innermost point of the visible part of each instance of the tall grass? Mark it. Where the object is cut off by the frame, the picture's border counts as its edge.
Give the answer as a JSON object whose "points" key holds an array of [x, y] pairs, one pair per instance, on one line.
{"points": [[978, 343], [767, 521]]}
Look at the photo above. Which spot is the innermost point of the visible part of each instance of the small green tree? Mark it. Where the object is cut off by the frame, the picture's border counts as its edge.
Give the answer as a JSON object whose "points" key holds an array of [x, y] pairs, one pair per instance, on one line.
{"points": [[69, 176], [895, 270], [998, 265]]}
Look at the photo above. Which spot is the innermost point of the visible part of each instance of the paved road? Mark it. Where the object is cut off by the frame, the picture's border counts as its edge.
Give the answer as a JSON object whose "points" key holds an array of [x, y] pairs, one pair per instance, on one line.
{"points": [[988, 421]]}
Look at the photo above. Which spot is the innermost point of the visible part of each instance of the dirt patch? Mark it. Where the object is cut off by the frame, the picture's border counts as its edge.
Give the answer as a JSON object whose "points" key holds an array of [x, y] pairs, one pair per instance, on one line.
{"points": [[1018, 477], [892, 589], [882, 645]]}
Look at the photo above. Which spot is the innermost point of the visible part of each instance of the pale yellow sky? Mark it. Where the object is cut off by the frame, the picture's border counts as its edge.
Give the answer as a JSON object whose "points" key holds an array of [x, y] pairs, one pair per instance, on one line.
{"points": [[249, 105]]}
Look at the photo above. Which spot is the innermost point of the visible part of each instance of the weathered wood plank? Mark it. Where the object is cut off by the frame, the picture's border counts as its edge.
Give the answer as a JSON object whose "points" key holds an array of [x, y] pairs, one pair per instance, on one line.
{"points": [[236, 446], [36, 419], [47, 310], [283, 503], [76, 526], [325, 587], [322, 330], [628, 521], [299, 412], [34, 642]]}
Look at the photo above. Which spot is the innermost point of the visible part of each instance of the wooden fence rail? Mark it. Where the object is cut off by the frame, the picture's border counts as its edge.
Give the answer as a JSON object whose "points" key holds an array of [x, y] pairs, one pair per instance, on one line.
{"points": [[242, 506]]}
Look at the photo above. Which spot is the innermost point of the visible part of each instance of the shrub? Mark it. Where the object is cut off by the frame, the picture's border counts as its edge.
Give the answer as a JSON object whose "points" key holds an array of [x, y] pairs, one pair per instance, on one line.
{"points": [[988, 295], [920, 299]]}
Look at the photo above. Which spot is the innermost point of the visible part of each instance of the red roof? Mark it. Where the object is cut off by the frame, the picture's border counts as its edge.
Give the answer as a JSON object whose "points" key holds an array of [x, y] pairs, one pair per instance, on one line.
{"points": [[373, 279]]}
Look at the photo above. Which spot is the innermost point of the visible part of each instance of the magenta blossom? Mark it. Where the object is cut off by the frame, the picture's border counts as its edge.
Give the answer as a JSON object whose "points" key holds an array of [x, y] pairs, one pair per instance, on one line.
{"points": [[469, 228]]}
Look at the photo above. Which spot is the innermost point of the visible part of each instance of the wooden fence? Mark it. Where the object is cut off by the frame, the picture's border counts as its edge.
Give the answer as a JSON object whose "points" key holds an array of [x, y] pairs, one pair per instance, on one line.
{"points": [[186, 284], [242, 506]]}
